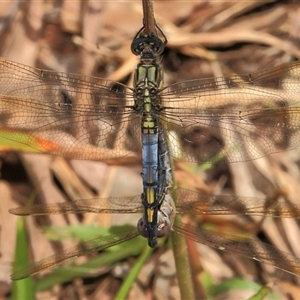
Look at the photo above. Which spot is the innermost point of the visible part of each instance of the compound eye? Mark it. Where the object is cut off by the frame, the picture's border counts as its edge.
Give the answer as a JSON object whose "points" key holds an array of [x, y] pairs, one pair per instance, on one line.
{"points": [[141, 227], [164, 228]]}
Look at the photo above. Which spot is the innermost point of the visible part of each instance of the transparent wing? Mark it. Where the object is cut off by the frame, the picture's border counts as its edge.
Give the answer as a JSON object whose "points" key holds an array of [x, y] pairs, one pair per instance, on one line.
{"points": [[97, 244], [66, 114], [96, 205], [195, 203], [190, 202], [247, 247], [241, 117], [238, 117]]}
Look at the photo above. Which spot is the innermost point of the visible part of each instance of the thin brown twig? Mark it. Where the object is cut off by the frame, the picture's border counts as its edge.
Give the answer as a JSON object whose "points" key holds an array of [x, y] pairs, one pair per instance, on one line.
{"points": [[149, 21]]}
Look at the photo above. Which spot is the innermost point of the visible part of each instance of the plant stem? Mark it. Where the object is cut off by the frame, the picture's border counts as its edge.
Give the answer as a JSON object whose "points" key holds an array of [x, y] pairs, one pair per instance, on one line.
{"points": [[182, 262]]}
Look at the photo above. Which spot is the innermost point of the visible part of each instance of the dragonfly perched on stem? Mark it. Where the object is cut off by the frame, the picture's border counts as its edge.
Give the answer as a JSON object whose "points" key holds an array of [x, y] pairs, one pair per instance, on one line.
{"points": [[97, 119]]}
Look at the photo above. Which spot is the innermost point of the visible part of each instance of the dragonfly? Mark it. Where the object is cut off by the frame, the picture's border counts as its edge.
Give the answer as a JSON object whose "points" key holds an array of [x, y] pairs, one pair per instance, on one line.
{"points": [[235, 118]]}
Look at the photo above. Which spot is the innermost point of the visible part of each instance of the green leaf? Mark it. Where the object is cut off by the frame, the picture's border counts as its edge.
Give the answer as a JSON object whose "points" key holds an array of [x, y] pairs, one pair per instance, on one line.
{"points": [[24, 288], [235, 284], [14, 140], [107, 258], [262, 293]]}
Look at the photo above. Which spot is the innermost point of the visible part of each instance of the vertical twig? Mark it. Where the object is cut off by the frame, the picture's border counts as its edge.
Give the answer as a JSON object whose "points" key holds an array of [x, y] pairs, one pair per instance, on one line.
{"points": [[149, 20], [181, 256]]}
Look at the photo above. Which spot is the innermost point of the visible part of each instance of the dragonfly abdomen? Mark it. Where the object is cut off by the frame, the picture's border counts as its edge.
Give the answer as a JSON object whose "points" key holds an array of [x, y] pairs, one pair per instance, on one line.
{"points": [[150, 177]]}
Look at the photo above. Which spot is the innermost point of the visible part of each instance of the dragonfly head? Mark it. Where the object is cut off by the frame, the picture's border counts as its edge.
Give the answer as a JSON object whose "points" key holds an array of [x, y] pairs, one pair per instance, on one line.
{"points": [[147, 47]]}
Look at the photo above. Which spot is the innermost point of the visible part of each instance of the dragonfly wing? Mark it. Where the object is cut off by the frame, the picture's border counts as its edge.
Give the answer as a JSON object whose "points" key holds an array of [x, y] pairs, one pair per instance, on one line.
{"points": [[98, 244], [66, 114], [196, 203], [241, 117], [96, 205], [243, 246]]}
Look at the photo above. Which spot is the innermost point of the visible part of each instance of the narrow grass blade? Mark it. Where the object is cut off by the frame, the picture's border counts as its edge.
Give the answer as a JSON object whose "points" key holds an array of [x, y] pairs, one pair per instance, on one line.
{"points": [[22, 289]]}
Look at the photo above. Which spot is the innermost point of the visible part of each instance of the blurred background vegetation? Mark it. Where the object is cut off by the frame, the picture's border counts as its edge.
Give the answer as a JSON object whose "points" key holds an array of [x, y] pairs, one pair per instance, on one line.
{"points": [[205, 39]]}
